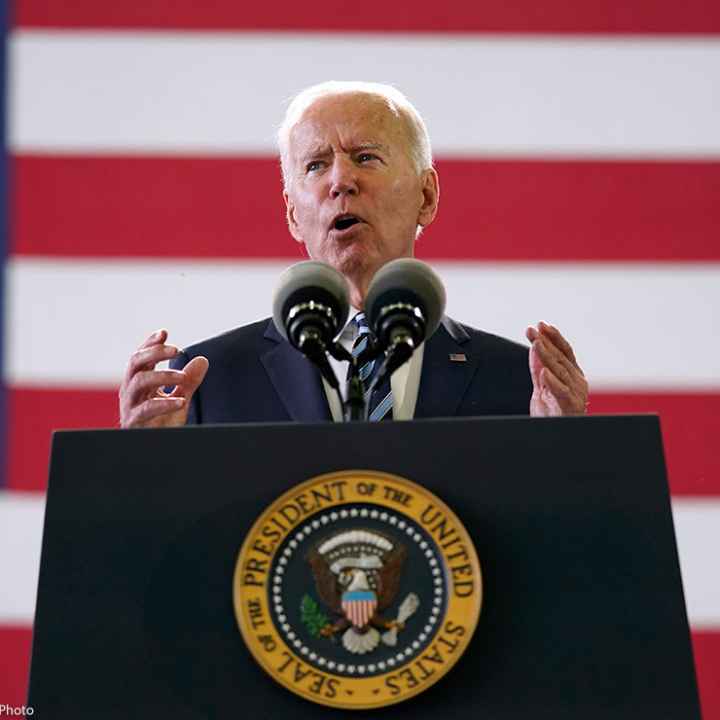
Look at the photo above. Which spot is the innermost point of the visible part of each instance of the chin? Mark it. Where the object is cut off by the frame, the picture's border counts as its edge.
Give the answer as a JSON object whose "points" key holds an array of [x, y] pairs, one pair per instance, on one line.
{"points": [[354, 261]]}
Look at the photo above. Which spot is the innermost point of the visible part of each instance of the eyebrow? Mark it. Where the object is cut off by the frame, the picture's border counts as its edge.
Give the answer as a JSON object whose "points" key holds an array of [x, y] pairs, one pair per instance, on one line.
{"points": [[371, 146], [324, 150], [318, 151]]}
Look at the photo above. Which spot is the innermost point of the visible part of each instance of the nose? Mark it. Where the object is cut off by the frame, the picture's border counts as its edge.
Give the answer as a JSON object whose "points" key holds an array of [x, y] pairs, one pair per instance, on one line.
{"points": [[343, 178]]}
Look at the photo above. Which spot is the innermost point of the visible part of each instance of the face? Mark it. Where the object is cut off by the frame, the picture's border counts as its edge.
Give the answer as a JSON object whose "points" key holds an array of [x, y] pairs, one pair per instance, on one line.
{"points": [[354, 197]]}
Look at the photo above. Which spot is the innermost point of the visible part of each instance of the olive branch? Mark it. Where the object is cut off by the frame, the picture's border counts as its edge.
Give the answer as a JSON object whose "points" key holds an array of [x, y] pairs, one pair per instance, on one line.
{"points": [[312, 616]]}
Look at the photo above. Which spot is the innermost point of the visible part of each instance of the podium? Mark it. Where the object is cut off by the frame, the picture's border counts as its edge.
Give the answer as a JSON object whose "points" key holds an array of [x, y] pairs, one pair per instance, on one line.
{"points": [[583, 613]]}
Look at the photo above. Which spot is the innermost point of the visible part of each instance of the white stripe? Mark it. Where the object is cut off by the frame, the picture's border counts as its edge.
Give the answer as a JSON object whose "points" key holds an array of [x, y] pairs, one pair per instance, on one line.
{"points": [[360, 347], [637, 326], [382, 408], [21, 524], [697, 527], [632, 326], [76, 322], [366, 369], [160, 92]]}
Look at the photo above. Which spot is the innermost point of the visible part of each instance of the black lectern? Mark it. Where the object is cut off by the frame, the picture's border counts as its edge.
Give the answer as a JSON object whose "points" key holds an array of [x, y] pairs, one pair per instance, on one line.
{"points": [[583, 613]]}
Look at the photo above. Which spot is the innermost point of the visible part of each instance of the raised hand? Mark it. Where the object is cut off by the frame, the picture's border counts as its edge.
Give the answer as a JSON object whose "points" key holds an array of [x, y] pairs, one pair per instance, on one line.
{"points": [[143, 401], [559, 385]]}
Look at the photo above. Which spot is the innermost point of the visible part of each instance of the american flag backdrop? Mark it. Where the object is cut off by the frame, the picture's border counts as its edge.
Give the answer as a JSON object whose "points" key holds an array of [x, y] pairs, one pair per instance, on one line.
{"points": [[578, 146]]}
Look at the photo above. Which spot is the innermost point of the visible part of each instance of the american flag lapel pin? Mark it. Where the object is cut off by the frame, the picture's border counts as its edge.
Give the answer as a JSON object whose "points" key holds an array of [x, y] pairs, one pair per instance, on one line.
{"points": [[458, 357]]}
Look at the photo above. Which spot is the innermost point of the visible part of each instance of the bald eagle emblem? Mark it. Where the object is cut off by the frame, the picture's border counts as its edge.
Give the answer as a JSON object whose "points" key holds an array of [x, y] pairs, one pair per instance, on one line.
{"points": [[357, 576]]}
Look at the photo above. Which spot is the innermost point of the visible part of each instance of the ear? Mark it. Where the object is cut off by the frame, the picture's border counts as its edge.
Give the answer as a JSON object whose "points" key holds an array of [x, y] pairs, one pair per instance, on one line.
{"points": [[290, 216], [430, 188]]}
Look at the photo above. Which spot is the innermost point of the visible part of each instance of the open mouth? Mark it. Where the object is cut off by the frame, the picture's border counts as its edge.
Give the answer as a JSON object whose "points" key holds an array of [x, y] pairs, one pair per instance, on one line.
{"points": [[343, 222]]}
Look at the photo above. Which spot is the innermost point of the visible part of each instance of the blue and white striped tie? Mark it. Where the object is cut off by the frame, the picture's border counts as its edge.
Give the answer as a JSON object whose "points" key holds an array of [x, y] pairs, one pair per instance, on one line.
{"points": [[382, 400]]}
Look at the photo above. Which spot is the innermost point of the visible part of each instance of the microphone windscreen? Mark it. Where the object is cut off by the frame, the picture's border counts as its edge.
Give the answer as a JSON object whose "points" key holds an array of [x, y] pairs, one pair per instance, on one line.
{"points": [[407, 280], [306, 281]]}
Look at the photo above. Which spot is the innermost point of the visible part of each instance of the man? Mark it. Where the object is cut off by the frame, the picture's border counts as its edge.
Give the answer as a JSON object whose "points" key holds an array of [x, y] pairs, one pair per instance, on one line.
{"points": [[359, 188]]}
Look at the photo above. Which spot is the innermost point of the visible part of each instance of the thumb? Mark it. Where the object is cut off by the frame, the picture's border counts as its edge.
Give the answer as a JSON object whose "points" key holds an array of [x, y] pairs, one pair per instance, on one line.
{"points": [[195, 370], [535, 367]]}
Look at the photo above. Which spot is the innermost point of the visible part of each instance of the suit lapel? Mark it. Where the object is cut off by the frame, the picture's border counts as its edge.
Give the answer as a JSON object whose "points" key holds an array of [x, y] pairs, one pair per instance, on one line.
{"points": [[444, 380], [296, 380]]}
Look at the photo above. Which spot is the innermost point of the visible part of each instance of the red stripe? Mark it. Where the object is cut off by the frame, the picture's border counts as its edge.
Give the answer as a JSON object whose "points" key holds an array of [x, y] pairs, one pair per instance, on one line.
{"points": [[551, 16], [706, 648], [690, 425], [15, 644], [517, 210], [33, 414]]}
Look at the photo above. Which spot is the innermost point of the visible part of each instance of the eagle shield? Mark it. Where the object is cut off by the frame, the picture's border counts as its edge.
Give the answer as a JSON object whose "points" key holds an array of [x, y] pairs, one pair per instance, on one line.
{"points": [[359, 606], [357, 575]]}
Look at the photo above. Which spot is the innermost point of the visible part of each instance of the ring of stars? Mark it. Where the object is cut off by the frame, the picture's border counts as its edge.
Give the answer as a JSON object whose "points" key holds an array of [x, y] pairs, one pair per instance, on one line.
{"points": [[396, 523]]}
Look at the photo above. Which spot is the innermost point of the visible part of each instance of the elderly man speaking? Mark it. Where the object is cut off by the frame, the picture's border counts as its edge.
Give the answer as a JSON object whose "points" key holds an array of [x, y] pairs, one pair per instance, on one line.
{"points": [[359, 188]]}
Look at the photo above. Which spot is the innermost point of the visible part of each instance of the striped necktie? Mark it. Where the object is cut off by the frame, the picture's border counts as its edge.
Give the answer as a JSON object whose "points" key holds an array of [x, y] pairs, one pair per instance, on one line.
{"points": [[380, 406]]}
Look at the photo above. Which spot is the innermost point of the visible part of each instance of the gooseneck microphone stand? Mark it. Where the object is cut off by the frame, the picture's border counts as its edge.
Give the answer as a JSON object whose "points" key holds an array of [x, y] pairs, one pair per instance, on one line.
{"points": [[402, 334], [310, 341], [355, 407]]}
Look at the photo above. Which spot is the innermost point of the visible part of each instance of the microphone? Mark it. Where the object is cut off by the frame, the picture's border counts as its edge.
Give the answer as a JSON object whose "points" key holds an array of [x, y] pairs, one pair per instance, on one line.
{"points": [[310, 308], [404, 305]]}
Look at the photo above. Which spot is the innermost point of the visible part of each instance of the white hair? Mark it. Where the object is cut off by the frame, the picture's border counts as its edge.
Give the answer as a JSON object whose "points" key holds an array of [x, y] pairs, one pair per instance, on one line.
{"points": [[397, 103]]}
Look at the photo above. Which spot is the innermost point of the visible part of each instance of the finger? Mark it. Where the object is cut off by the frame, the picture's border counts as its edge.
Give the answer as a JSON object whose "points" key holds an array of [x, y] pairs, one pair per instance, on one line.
{"points": [[531, 333], [571, 375], [567, 401], [158, 337], [554, 384], [153, 408], [554, 359], [147, 383], [195, 372], [553, 394], [556, 337], [535, 367], [147, 358]]}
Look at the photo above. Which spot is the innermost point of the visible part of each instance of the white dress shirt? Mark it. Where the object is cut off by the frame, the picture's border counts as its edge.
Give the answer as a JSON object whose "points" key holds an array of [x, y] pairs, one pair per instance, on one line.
{"points": [[404, 382]]}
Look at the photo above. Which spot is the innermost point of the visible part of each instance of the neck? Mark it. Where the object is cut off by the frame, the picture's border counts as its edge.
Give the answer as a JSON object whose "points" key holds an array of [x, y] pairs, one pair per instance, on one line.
{"points": [[358, 286], [357, 297], [359, 277]]}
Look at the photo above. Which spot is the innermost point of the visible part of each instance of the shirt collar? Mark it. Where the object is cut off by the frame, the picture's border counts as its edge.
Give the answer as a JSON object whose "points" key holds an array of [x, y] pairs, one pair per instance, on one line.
{"points": [[348, 332]]}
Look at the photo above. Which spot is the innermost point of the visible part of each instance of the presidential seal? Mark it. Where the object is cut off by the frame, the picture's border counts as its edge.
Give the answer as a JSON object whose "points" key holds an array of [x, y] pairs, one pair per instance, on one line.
{"points": [[357, 589]]}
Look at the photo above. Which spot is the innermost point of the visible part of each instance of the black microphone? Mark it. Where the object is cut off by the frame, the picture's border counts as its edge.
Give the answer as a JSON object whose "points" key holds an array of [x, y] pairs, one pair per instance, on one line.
{"points": [[404, 305], [310, 308]]}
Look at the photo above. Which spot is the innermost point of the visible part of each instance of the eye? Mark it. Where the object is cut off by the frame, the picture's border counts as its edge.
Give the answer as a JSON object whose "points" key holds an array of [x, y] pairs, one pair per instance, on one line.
{"points": [[313, 165], [366, 156]]}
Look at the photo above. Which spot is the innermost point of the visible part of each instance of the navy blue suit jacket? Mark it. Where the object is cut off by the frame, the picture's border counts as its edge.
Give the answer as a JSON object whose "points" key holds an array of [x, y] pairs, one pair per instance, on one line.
{"points": [[257, 376]]}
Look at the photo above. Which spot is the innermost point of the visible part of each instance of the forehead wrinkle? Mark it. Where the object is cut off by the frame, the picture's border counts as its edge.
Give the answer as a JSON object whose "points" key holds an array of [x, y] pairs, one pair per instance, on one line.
{"points": [[324, 149], [371, 146], [348, 118], [319, 150]]}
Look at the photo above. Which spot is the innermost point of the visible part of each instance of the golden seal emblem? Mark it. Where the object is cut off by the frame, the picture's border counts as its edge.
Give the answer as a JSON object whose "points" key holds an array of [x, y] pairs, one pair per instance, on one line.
{"points": [[357, 589]]}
